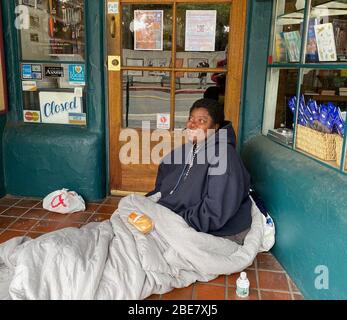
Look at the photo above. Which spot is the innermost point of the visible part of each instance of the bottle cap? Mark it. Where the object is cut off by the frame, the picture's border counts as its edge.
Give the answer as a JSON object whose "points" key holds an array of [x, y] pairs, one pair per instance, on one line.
{"points": [[243, 276]]}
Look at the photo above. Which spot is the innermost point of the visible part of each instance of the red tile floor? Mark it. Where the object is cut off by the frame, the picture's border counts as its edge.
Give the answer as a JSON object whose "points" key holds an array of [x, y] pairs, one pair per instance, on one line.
{"points": [[25, 216]]}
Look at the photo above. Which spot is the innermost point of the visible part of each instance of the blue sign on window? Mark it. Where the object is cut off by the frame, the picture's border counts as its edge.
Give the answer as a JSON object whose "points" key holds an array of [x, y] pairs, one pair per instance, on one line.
{"points": [[77, 74], [26, 71], [31, 71]]}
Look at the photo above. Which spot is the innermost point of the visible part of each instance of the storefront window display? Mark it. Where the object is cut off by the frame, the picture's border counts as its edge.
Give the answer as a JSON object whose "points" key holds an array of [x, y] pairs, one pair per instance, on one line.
{"points": [[52, 68], [306, 90]]}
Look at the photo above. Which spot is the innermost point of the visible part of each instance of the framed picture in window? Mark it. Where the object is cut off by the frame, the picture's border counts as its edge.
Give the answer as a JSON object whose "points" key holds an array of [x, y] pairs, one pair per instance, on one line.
{"points": [[3, 87]]}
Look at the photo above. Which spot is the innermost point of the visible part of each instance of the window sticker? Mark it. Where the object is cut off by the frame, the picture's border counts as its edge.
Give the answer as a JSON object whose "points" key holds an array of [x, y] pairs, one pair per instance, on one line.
{"points": [[29, 86], [77, 118], [77, 74], [31, 71], [112, 7], [31, 116], [54, 72], [163, 121]]}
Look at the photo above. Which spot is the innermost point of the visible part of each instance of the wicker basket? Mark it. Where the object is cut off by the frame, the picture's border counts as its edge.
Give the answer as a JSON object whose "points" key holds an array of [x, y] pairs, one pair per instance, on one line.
{"points": [[339, 144], [319, 144]]}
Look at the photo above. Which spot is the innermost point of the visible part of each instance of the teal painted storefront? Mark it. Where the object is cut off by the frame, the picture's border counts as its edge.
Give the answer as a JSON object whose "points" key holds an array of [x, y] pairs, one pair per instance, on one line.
{"points": [[44, 158], [306, 199]]}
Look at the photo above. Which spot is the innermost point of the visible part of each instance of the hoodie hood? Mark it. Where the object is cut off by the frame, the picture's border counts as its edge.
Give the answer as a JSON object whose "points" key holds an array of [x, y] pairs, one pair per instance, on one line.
{"points": [[217, 138]]}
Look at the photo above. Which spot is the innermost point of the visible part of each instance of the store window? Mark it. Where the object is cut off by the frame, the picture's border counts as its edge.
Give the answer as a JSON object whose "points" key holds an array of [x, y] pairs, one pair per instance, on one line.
{"points": [[306, 87], [52, 66]]}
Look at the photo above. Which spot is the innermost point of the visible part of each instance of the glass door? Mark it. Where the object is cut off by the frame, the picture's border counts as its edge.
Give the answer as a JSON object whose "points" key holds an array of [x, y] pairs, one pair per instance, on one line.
{"points": [[163, 56]]}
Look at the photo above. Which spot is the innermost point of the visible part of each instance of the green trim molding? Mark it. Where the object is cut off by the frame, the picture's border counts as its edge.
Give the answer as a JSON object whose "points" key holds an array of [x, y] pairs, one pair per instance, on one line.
{"points": [[306, 199], [40, 158]]}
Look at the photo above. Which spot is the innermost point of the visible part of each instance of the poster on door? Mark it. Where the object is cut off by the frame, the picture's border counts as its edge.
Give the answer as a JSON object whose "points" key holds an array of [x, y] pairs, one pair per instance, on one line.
{"points": [[148, 29], [200, 30]]}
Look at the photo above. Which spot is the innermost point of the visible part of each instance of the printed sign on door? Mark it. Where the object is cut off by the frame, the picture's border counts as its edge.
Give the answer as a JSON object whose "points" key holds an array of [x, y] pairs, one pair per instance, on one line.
{"points": [[56, 106], [163, 121]]}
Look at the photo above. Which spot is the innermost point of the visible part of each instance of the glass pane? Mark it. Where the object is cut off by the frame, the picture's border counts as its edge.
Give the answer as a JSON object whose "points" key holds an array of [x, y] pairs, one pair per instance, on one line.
{"points": [[147, 34], [327, 32], [278, 118], [146, 97], [49, 91], [202, 33], [288, 31], [321, 114], [55, 30], [194, 86]]}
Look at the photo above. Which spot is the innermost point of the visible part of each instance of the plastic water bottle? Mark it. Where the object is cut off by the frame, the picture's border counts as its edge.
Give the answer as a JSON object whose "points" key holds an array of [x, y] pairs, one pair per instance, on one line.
{"points": [[242, 285]]}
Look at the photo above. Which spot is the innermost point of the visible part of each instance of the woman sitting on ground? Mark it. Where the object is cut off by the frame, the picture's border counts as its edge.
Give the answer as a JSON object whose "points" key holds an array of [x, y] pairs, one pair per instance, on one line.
{"points": [[211, 197]]}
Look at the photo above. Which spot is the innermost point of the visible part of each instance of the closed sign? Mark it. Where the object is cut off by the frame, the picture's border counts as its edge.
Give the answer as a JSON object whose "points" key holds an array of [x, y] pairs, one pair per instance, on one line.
{"points": [[56, 106]]}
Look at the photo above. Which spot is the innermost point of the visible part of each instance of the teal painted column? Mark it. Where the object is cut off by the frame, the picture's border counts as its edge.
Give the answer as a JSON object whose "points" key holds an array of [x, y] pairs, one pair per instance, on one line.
{"points": [[40, 158], [256, 52]]}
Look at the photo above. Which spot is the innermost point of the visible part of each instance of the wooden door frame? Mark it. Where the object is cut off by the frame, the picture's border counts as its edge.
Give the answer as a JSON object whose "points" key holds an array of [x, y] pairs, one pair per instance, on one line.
{"points": [[232, 100]]}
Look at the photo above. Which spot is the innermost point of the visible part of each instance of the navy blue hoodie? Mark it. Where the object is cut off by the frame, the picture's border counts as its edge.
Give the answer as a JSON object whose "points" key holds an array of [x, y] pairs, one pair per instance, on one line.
{"points": [[216, 204]]}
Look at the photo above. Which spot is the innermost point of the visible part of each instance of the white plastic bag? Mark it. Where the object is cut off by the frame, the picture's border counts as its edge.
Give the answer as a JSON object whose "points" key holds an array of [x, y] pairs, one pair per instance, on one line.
{"points": [[64, 201], [269, 234]]}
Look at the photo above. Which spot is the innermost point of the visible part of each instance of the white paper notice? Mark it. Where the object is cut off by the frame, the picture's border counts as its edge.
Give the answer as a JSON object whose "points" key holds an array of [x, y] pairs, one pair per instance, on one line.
{"points": [[200, 30], [163, 120]]}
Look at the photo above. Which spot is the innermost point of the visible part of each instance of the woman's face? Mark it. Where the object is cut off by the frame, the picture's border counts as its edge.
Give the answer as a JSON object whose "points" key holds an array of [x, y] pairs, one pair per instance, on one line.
{"points": [[198, 123]]}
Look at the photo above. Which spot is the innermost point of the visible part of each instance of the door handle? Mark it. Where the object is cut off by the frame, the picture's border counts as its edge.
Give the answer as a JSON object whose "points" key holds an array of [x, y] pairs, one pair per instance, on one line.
{"points": [[113, 27]]}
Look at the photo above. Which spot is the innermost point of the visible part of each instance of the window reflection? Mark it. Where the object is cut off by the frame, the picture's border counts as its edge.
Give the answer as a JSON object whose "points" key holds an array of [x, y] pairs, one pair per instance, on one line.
{"points": [[56, 31], [146, 96], [194, 86]]}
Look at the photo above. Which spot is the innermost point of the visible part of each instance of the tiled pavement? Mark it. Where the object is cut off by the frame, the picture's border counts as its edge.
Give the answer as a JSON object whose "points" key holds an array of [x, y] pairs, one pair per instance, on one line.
{"points": [[25, 216]]}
